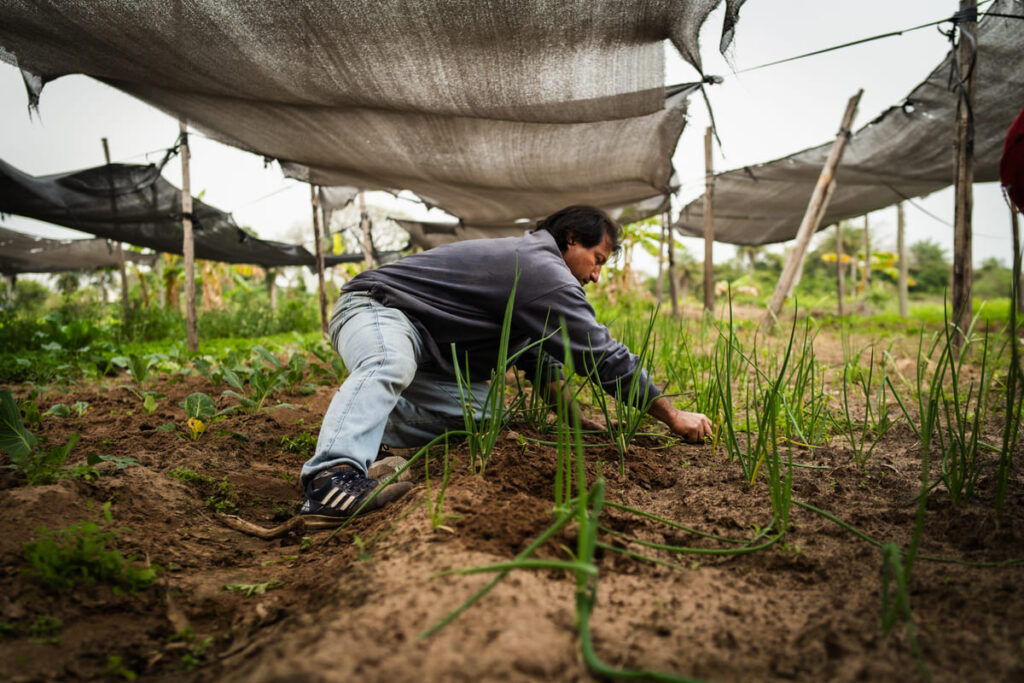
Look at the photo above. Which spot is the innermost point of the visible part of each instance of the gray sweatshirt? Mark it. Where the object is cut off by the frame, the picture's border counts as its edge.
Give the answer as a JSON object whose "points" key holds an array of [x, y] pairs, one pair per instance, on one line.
{"points": [[457, 293]]}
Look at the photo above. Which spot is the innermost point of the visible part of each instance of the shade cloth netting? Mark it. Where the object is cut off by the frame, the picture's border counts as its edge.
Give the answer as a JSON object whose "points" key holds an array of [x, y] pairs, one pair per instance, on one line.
{"points": [[491, 111], [135, 204], [21, 253], [906, 152], [427, 234]]}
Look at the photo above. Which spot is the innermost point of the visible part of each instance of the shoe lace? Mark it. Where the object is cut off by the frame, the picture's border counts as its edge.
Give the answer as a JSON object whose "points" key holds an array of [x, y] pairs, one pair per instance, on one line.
{"points": [[353, 481]]}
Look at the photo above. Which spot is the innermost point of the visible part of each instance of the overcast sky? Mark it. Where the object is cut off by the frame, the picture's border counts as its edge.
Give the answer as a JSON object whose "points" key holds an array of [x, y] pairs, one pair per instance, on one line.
{"points": [[761, 115]]}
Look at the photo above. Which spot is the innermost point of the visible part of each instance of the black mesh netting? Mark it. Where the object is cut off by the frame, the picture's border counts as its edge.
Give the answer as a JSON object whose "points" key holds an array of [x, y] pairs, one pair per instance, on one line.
{"points": [[135, 204], [904, 153]]}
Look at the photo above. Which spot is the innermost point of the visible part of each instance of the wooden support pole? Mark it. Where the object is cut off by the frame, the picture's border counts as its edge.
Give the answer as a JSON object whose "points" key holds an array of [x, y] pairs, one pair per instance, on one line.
{"points": [[812, 217], [318, 238], [270, 280], [364, 225], [118, 249], [840, 273], [671, 265], [143, 289], [709, 225], [962, 270], [1015, 228], [901, 254], [188, 247], [867, 254]]}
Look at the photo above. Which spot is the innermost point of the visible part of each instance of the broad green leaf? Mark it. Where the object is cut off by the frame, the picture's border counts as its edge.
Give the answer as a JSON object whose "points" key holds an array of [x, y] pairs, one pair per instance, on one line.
{"points": [[267, 356], [15, 440], [199, 406], [58, 410], [231, 377], [139, 368]]}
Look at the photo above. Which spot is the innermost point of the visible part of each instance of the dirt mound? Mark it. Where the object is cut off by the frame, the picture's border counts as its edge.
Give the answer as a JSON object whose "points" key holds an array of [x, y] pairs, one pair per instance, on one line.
{"points": [[325, 607]]}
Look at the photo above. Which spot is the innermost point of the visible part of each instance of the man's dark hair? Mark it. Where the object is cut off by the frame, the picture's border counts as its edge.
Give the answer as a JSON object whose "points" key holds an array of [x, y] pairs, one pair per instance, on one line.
{"points": [[589, 223]]}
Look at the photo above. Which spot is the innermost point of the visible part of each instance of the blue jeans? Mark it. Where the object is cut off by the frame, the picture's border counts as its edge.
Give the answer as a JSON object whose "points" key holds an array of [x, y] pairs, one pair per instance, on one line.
{"points": [[386, 399]]}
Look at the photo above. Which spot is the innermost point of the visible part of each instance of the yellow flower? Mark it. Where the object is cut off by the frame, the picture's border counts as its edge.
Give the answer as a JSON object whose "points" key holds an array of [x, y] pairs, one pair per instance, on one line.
{"points": [[196, 427]]}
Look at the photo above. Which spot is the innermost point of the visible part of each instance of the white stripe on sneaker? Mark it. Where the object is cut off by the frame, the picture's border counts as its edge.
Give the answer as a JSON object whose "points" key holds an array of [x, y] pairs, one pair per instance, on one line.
{"points": [[351, 499], [327, 498]]}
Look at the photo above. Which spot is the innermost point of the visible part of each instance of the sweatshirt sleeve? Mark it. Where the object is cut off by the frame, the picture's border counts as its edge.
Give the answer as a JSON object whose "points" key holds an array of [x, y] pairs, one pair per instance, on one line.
{"points": [[591, 345]]}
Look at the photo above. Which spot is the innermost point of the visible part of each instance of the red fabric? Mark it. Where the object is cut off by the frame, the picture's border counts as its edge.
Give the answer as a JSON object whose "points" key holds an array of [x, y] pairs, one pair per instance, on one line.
{"points": [[1011, 165]]}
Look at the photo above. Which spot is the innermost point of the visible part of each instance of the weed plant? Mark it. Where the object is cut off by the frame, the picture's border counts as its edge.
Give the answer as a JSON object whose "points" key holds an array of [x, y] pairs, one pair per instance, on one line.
{"points": [[262, 381], [39, 465], [83, 553], [221, 496]]}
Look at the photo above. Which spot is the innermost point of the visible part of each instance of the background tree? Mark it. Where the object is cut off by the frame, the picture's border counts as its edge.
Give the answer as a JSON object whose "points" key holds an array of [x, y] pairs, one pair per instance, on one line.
{"points": [[929, 266]]}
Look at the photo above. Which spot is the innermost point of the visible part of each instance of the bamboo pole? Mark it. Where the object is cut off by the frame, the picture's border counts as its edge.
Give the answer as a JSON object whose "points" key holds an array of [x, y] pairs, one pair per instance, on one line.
{"points": [[962, 269], [270, 280], [318, 238], [364, 224], [901, 254], [671, 265], [118, 249], [143, 289], [709, 226], [812, 217], [188, 248], [867, 254], [840, 274]]}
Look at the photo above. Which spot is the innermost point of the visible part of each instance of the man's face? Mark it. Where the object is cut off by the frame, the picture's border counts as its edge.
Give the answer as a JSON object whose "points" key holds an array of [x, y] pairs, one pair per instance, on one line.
{"points": [[585, 262]]}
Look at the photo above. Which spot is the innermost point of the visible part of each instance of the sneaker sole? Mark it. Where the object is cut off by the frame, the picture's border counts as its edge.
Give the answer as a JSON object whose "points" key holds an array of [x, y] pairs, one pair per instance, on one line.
{"points": [[328, 522]]}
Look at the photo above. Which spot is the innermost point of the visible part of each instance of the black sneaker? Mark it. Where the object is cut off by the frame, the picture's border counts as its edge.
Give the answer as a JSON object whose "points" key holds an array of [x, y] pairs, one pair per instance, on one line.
{"points": [[334, 495]]}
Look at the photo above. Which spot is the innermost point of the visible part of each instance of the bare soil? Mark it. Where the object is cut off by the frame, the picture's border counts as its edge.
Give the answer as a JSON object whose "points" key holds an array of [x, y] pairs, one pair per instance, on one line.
{"points": [[351, 605]]}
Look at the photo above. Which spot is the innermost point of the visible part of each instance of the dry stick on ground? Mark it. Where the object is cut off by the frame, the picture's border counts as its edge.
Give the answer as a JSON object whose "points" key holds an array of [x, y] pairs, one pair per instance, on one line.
{"points": [[295, 524]]}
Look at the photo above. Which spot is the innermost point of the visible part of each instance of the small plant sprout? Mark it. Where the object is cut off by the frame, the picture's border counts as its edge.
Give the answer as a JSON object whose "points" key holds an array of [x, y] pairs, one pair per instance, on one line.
{"points": [[435, 504], [876, 420], [200, 412], [494, 414], [262, 382], [251, 589], [140, 369]]}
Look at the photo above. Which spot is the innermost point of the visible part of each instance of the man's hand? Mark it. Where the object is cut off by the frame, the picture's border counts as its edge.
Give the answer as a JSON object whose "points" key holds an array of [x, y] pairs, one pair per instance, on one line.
{"points": [[693, 427], [592, 425]]}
